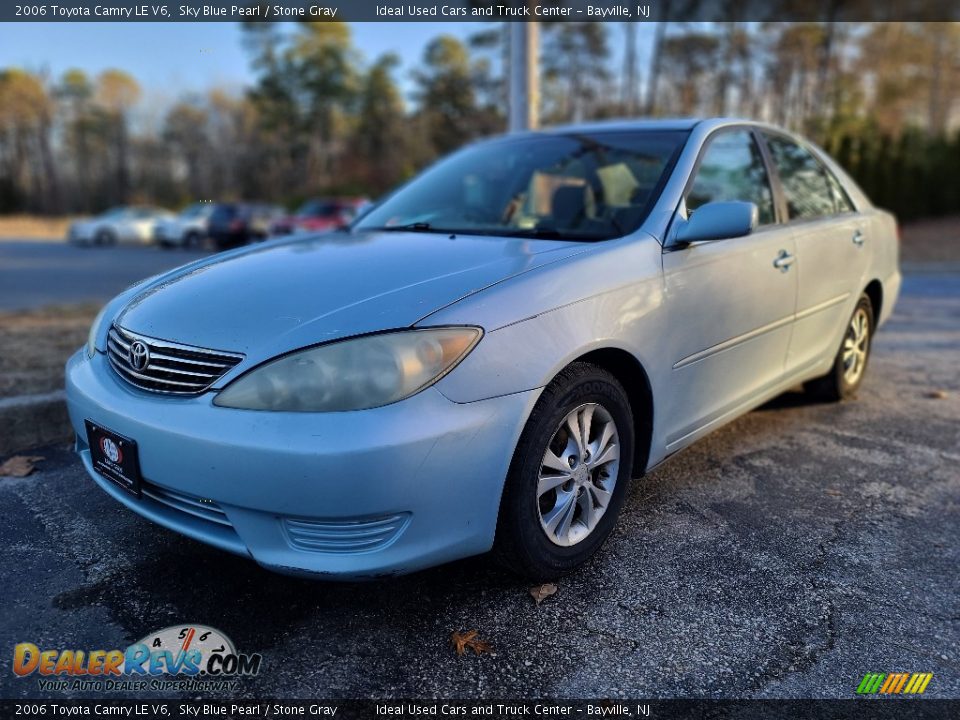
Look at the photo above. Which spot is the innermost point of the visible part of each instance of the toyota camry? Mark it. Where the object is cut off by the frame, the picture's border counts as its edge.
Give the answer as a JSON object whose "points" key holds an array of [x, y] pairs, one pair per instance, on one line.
{"points": [[487, 358]]}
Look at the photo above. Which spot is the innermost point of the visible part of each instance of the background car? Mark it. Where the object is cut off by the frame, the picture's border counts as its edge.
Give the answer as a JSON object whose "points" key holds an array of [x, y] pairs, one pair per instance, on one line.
{"points": [[186, 230], [235, 224], [126, 224], [321, 215]]}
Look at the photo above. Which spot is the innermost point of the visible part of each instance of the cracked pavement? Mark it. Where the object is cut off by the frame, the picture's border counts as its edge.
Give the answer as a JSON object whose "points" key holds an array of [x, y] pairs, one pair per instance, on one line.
{"points": [[784, 556]]}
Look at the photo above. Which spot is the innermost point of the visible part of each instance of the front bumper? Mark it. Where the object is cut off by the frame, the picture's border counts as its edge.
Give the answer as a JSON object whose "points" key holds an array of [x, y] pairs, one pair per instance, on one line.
{"points": [[366, 493], [167, 235]]}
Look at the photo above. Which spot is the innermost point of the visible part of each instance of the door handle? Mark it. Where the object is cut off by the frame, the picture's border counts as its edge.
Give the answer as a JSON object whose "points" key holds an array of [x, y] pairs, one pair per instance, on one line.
{"points": [[784, 261], [858, 238]]}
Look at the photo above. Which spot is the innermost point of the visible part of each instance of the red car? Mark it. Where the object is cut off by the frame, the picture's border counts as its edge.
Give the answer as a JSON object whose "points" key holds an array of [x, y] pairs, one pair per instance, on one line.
{"points": [[321, 215]]}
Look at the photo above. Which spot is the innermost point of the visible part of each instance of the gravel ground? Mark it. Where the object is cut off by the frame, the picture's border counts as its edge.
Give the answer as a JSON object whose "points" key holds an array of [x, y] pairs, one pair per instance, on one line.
{"points": [[783, 556]]}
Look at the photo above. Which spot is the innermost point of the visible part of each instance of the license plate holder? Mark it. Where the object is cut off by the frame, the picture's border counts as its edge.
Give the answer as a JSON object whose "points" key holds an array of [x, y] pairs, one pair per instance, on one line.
{"points": [[114, 457]]}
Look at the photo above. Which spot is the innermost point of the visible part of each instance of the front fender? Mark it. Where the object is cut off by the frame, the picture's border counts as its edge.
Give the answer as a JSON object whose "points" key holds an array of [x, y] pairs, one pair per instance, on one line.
{"points": [[538, 324]]}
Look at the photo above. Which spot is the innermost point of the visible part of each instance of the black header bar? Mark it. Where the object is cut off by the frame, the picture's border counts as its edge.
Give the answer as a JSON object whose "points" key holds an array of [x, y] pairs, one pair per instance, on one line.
{"points": [[479, 10], [853, 709]]}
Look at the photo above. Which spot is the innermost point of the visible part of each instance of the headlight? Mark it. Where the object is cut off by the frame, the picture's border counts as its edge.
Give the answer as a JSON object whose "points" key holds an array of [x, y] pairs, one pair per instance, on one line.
{"points": [[357, 374], [94, 329]]}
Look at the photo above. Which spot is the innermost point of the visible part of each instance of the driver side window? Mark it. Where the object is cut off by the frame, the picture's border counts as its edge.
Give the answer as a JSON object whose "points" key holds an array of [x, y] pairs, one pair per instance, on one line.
{"points": [[732, 168]]}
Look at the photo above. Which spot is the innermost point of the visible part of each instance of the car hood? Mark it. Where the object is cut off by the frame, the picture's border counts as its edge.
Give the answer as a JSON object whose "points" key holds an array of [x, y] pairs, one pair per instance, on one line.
{"points": [[287, 294]]}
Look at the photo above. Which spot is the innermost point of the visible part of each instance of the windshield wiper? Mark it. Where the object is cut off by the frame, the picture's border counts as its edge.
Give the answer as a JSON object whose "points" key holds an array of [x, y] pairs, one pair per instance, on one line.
{"points": [[410, 227], [554, 234]]}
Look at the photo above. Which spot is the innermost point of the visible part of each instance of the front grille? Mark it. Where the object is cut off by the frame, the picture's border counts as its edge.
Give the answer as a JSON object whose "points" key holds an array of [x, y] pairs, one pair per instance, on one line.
{"points": [[166, 367], [344, 536], [204, 509]]}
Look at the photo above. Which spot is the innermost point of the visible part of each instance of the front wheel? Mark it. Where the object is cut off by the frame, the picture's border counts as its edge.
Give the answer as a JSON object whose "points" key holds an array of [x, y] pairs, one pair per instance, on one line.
{"points": [[569, 475], [850, 364]]}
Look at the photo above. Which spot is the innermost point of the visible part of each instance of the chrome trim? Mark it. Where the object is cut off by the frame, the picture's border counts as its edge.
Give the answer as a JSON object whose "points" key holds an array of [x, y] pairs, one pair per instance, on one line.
{"points": [[158, 343], [813, 309], [162, 374], [732, 342]]}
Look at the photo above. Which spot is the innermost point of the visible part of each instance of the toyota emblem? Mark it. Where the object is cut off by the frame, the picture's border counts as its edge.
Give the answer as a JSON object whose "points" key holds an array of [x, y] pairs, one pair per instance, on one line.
{"points": [[139, 355]]}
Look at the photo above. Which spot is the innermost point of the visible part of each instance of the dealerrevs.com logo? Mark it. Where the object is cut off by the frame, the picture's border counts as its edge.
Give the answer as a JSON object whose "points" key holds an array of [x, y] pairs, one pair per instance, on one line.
{"points": [[179, 657]]}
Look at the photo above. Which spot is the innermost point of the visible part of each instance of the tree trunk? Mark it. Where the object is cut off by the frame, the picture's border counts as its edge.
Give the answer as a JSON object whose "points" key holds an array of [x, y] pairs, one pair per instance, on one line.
{"points": [[52, 178], [650, 106]]}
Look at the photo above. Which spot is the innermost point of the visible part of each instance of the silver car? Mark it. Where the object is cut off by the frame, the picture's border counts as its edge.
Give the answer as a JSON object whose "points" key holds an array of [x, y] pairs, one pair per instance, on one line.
{"points": [[125, 224], [489, 356], [187, 230]]}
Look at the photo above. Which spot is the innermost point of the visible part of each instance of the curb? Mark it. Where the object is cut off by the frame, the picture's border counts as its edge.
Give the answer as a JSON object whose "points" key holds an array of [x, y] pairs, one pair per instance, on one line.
{"points": [[32, 420]]}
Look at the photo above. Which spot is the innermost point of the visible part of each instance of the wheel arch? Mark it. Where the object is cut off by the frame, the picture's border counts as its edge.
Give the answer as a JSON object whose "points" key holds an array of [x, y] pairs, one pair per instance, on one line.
{"points": [[628, 370], [874, 291]]}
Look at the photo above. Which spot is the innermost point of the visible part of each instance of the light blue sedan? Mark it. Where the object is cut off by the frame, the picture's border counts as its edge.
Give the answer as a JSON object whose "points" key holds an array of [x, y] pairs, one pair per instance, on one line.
{"points": [[487, 357]]}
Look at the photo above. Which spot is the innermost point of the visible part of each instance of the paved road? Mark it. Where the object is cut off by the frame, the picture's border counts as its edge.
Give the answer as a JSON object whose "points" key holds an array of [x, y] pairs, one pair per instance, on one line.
{"points": [[784, 556], [36, 274]]}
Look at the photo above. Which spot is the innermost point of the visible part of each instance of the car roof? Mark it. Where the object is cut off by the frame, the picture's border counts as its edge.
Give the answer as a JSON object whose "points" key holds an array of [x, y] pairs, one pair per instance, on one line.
{"points": [[627, 124], [653, 124]]}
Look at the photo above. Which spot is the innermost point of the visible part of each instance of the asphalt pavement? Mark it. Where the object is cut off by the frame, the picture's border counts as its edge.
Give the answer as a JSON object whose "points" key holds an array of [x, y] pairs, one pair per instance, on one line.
{"points": [[784, 556], [37, 274]]}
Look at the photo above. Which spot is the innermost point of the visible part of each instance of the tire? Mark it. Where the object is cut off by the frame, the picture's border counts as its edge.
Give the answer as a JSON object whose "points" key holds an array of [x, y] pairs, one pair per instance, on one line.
{"points": [[105, 237], [191, 241], [524, 543], [850, 364]]}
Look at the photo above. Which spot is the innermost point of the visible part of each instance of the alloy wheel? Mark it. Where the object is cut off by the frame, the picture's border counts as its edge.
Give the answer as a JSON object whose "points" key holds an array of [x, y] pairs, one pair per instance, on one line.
{"points": [[578, 474], [856, 345]]}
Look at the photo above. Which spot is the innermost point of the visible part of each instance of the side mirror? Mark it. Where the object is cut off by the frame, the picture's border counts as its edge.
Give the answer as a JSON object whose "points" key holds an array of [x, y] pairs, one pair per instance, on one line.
{"points": [[718, 220]]}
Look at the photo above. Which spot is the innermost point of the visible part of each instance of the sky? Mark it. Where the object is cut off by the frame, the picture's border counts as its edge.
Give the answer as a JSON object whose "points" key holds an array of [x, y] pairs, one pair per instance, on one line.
{"points": [[171, 59], [176, 59]]}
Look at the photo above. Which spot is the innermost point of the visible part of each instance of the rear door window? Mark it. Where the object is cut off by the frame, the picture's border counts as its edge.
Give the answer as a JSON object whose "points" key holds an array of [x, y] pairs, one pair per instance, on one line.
{"points": [[805, 181]]}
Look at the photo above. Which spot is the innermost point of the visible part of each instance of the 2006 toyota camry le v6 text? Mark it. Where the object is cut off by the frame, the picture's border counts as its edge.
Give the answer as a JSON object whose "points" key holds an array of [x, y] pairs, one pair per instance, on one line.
{"points": [[488, 356]]}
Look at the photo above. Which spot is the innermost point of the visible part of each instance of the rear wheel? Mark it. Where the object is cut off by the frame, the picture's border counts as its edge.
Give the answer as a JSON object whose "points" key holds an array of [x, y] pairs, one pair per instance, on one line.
{"points": [[850, 364], [105, 237], [569, 475]]}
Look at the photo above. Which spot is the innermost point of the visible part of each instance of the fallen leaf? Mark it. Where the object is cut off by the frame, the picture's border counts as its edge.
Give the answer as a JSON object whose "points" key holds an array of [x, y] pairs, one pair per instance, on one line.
{"points": [[835, 493], [542, 592], [19, 465], [481, 646], [460, 640], [469, 640], [937, 395]]}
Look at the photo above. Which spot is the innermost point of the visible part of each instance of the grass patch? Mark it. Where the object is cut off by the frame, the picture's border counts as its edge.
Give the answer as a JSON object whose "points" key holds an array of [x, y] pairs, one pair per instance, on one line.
{"points": [[33, 227], [35, 344]]}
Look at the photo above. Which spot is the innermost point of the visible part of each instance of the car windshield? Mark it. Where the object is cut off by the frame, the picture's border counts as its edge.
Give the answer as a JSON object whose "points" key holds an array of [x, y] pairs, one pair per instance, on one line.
{"points": [[590, 186], [116, 213], [194, 211]]}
